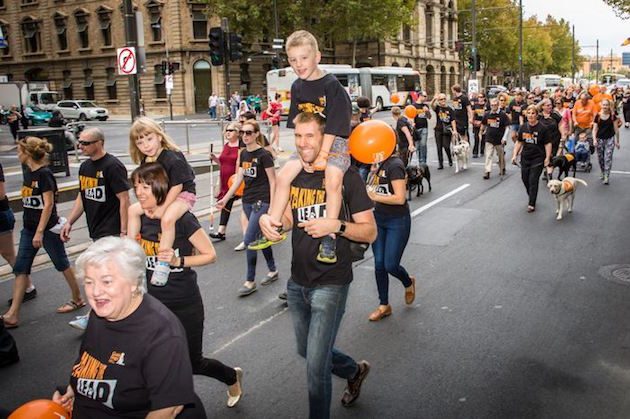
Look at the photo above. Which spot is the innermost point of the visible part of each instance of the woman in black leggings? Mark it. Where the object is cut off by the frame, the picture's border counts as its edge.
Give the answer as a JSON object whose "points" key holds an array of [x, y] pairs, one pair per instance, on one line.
{"points": [[534, 145], [192, 247], [444, 128]]}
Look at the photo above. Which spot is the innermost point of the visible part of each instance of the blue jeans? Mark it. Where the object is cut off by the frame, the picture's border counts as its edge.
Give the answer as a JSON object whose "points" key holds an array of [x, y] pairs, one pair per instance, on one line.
{"points": [[253, 212], [316, 313], [212, 111], [421, 144], [26, 252], [393, 235]]}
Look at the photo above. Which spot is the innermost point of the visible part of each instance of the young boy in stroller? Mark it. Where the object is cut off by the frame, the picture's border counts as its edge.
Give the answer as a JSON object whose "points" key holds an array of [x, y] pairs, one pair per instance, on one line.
{"points": [[583, 152]]}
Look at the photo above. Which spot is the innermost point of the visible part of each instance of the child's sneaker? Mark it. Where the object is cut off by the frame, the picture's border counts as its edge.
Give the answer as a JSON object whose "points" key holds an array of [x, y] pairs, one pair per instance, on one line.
{"points": [[160, 274], [327, 250], [262, 242]]}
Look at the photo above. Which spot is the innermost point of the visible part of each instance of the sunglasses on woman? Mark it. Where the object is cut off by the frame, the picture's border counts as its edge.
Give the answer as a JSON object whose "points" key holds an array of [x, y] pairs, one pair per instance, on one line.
{"points": [[231, 130], [246, 132]]}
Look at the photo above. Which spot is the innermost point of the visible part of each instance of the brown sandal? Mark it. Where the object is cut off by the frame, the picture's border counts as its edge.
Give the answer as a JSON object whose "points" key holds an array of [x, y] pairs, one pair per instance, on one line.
{"points": [[70, 306]]}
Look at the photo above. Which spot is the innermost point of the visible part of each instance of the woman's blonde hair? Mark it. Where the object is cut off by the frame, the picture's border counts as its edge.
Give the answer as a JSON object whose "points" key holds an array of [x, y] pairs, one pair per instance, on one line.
{"points": [[36, 148], [232, 125], [260, 139], [143, 126]]}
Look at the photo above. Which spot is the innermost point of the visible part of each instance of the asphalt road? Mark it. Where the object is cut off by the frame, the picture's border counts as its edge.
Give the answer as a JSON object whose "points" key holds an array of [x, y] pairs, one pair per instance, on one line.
{"points": [[518, 315]]}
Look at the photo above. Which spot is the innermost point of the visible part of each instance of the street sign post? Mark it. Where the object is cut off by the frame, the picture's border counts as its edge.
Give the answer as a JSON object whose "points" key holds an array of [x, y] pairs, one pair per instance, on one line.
{"points": [[168, 80], [277, 43], [473, 86], [127, 62]]}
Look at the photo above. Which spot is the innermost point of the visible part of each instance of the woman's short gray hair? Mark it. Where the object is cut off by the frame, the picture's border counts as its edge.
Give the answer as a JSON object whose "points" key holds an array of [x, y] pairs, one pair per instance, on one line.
{"points": [[125, 253]]}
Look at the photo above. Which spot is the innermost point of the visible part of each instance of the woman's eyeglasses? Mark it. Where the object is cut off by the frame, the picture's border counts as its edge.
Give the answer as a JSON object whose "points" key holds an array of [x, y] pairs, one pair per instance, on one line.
{"points": [[246, 132], [231, 130]]}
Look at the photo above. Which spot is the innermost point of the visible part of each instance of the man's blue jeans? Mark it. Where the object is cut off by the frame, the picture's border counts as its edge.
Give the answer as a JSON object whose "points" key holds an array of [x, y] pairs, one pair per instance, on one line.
{"points": [[421, 144], [316, 313]]}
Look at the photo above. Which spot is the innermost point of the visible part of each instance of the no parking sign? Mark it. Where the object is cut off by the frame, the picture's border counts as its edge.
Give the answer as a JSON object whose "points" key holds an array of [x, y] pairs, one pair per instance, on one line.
{"points": [[127, 62]]}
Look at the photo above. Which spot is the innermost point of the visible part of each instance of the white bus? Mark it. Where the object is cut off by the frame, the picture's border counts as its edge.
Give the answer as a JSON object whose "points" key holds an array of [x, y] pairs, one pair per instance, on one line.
{"points": [[380, 83], [376, 83], [544, 81]]}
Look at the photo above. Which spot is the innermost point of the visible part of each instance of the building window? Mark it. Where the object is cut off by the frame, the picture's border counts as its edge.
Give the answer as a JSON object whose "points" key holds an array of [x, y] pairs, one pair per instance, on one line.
{"points": [[406, 33], [61, 26], [200, 23], [155, 15], [443, 40], [27, 2], [88, 84], [67, 85], [159, 82], [112, 91], [82, 28], [1, 4], [32, 36], [5, 32], [105, 23], [428, 17]]}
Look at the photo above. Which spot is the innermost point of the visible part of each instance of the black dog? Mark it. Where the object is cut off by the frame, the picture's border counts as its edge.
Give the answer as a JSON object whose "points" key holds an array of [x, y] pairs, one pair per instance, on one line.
{"points": [[415, 174], [564, 163]]}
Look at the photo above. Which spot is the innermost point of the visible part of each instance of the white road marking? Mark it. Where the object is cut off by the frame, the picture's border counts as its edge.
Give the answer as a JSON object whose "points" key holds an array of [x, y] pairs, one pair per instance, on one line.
{"points": [[437, 201], [250, 330], [619, 172]]}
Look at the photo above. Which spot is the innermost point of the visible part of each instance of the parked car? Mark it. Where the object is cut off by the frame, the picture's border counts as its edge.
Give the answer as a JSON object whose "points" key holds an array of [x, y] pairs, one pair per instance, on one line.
{"points": [[493, 90], [82, 110], [37, 116], [623, 83]]}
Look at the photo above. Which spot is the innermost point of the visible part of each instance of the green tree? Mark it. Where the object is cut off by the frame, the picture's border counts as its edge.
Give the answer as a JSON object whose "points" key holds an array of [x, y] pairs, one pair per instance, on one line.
{"points": [[621, 7], [562, 46], [363, 20]]}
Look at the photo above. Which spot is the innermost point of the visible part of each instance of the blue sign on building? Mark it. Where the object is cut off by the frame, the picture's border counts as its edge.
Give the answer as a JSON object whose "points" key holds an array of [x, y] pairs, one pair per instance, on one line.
{"points": [[625, 58]]}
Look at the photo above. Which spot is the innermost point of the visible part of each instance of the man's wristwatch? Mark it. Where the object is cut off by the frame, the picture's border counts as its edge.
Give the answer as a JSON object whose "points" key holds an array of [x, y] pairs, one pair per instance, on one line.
{"points": [[342, 228]]}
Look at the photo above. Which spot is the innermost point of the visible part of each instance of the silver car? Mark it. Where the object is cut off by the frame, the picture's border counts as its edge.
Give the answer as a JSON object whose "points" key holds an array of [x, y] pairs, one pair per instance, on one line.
{"points": [[82, 110]]}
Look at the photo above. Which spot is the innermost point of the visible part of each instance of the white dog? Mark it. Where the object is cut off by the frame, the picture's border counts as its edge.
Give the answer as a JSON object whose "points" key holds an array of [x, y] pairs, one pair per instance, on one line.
{"points": [[460, 151], [564, 192]]}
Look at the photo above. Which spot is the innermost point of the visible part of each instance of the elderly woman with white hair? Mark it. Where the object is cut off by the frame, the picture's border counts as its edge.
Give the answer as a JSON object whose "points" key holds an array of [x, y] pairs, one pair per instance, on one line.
{"points": [[133, 360]]}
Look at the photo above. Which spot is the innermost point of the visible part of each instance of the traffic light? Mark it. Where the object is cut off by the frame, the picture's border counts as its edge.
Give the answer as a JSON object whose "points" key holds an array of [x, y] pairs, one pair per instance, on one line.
{"points": [[216, 41], [236, 47], [275, 63], [478, 67], [471, 62]]}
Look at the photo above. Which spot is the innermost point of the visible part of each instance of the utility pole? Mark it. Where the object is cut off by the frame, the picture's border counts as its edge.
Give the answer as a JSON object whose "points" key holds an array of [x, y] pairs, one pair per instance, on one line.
{"points": [[131, 39], [597, 61], [520, 43], [168, 72], [611, 59], [226, 63], [573, 56], [474, 40], [277, 24]]}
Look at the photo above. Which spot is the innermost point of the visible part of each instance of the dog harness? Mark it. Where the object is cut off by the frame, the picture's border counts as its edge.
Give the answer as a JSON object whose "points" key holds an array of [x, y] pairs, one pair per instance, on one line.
{"points": [[567, 187]]}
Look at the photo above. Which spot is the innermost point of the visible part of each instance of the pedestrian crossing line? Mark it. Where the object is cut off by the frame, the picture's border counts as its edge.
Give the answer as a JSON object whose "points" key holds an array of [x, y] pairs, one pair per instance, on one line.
{"points": [[250, 330], [619, 172], [438, 200]]}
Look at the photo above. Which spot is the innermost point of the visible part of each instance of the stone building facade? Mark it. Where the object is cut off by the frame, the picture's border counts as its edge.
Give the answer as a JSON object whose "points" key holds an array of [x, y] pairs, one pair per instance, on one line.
{"points": [[72, 45]]}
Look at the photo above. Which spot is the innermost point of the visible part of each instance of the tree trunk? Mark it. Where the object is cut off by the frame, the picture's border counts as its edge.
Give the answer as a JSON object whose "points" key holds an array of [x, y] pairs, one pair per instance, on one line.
{"points": [[354, 53]]}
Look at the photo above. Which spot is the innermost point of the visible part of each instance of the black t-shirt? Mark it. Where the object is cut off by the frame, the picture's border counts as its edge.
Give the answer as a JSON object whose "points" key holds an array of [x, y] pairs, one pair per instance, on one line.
{"points": [[534, 139], [460, 109], [402, 142], [391, 169], [551, 124], [99, 182], [496, 124], [422, 111], [130, 367], [254, 164], [445, 115], [478, 110], [326, 96], [308, 201], [516, 109], [33, 188], [365, 116], [178, 170], [4, 202], [181, 288], [605, 127]]}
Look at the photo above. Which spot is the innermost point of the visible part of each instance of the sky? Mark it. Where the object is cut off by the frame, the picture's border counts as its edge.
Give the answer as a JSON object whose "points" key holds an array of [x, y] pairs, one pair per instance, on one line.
{"points": [[593, 19]]}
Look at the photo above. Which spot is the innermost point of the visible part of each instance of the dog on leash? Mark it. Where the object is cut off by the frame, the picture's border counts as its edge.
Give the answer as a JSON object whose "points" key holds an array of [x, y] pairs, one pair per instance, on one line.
{"points": [[460, 151], [564, 193], [564, 164], [415, 174]]}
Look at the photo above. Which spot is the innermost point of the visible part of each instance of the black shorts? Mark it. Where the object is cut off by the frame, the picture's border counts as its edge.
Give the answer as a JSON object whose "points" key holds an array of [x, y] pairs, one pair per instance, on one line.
{"points": [[7, 221]]}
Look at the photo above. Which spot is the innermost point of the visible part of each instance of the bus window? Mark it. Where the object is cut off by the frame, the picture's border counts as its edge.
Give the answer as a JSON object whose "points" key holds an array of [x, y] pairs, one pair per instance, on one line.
{"points": [[343, 79], [408, 83], [353, 86], [379, 80], [34, 100]]}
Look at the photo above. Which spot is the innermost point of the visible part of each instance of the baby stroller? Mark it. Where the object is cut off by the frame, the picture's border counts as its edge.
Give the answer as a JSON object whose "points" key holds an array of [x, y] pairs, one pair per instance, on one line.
{"points": [[582, 153]]}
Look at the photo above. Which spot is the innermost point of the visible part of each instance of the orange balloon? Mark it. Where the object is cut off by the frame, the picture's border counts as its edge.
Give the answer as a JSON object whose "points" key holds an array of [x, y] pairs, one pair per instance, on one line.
{"points": [[593, 90], [40, 409], [372, 141], [241, 188], [410, 111], [395, 98]]}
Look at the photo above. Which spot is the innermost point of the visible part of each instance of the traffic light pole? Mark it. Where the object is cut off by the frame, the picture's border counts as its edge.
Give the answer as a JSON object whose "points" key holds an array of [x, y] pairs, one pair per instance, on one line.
{"points": [[131, 38], [226, 63], [473, 74]]}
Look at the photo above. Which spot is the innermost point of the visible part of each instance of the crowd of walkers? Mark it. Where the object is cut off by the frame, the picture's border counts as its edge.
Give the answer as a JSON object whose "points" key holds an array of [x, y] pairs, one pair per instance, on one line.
{"points": [[139, 275]]}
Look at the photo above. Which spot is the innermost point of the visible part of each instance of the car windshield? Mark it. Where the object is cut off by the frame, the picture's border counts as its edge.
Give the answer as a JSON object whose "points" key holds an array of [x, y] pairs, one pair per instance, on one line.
{"points": [[86, 104], [36, 109]]}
